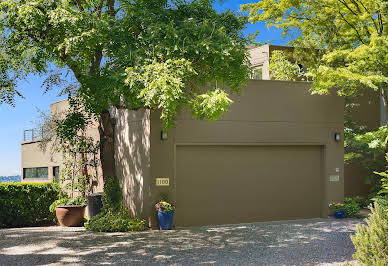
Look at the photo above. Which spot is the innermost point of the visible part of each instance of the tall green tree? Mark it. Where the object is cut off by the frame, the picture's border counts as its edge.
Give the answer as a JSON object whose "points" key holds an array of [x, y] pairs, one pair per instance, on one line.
{"points": [[347, 40], [155, 54]]}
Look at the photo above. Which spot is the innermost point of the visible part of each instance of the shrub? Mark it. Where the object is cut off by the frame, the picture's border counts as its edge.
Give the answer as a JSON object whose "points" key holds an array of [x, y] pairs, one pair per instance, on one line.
{"points": [[363, 202], [26, 204], [351, 208], [371, 242], [114, 217], [110, 221]]}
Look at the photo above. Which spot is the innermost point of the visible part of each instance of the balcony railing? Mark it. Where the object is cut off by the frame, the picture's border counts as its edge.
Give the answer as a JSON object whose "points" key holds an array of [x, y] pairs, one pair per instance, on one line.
{"points": [[32, 134]]}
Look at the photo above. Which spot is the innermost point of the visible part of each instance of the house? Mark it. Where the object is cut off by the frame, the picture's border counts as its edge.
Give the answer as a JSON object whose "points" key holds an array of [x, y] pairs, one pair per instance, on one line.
{"points": [[364, 110], [276, 155]]}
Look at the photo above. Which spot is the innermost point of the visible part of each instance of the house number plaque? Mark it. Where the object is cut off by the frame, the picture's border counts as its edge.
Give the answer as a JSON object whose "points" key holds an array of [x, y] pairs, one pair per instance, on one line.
{"points": [[334, 178], [162, 181]]}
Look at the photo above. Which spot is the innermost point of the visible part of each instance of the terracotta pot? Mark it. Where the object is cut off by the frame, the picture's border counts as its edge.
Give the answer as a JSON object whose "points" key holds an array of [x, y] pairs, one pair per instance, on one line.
{"points": [[70, 215]]}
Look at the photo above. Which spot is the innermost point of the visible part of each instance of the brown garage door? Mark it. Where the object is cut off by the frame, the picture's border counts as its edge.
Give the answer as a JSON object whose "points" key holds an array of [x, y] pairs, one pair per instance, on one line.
{"points": [[237, 184]]}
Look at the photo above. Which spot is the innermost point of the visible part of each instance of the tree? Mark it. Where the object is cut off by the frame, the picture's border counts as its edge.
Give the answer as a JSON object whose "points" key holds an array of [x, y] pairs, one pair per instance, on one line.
{"points": [[347, 40], [128, 54]]}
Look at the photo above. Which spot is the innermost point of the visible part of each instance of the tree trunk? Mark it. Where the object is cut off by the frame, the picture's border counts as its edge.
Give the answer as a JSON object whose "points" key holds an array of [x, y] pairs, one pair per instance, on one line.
{"points": [[106, 129], [383, 107]]}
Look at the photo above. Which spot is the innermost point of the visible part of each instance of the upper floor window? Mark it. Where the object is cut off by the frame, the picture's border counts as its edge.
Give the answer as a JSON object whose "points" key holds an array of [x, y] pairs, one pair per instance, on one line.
{"points": [[257, 73], [37, 172]]}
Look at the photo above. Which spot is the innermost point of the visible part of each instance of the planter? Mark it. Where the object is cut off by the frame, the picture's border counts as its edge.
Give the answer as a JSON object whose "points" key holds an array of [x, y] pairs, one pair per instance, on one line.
{"points": [[165, 220], [70, 215], [339, 215]]}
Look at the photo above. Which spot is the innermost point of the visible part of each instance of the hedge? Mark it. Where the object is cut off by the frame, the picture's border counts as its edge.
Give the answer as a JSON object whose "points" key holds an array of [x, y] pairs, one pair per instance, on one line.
{"points": [[27, 204]]}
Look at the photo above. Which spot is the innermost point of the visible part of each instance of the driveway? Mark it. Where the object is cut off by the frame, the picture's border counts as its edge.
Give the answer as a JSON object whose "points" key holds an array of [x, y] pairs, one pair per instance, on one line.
{"points": [[301, 242]]}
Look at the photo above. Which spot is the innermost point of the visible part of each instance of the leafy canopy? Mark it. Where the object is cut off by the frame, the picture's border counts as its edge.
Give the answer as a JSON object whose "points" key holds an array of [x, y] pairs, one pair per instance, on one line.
{"points": [[351, 35], [127, 53]]}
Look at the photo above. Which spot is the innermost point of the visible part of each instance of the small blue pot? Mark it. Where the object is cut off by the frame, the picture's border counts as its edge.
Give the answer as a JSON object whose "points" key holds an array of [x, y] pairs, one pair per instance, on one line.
{"points": [[339, 215], [165, 220]]}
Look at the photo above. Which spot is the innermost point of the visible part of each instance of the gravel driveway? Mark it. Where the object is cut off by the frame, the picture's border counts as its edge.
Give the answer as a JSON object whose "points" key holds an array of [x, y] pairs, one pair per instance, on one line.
{"points": [[301, 242]]}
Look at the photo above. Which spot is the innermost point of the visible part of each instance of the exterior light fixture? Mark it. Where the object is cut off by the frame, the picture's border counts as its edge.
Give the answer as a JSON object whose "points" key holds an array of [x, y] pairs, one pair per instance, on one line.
{"points": [[163, 135], [337, 136]]}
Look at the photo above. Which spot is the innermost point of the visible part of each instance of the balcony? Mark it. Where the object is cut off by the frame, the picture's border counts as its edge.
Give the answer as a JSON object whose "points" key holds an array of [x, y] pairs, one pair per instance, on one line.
{"points": [[32, 134]]}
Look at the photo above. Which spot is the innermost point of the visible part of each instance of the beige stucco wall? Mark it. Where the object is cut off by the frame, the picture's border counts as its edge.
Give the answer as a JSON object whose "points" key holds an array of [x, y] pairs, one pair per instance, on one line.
{"points": [[132, 157], [267, 113], [364, 110], [259, 58], [33, 156]]}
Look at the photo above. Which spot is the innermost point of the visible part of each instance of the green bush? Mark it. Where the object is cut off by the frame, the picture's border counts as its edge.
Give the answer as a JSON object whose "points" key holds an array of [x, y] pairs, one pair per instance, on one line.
{"points": [[26, 204], [371, 242], [363, 202], [111, 221], [114, 217], [351, 208]]}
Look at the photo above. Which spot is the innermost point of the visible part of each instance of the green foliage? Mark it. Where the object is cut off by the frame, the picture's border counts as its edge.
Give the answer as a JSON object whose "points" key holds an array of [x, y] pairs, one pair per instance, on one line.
{"points": [[114, 216], [67, 129], [371, 241], [76, 201], [112, 197], [367, 149], [351, 35], [80, 159], [384, 181], [161, 86], [109, 221], [131, 54], [282, 68], [210, 105], [382, 196], [363, 202], [351, 208], [25, 204]]}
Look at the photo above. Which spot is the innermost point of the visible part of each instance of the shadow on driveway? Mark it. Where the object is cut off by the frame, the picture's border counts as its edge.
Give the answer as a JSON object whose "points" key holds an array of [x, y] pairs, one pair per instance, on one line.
{"points": [[302, 242]]}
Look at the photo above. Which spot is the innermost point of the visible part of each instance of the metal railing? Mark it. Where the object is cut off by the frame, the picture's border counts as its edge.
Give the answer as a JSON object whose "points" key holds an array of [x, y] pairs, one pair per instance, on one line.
{"points": [[32, 134]]}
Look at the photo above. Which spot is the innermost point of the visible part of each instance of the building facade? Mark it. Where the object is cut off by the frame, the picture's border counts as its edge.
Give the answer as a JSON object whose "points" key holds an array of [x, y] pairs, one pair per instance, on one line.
{"points": [[276, 154]]}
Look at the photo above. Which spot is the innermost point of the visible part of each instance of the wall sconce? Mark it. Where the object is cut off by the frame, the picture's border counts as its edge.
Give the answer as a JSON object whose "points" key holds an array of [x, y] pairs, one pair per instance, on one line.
{"points": [[337, 136], [163, 135]]}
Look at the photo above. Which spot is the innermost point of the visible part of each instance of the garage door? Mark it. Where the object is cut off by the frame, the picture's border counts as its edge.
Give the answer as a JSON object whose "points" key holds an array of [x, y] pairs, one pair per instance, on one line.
{"points": [[238, 184]]}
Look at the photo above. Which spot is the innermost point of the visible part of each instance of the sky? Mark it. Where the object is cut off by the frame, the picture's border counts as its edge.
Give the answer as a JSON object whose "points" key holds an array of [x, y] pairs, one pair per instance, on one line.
{"points": [[14, 120]]}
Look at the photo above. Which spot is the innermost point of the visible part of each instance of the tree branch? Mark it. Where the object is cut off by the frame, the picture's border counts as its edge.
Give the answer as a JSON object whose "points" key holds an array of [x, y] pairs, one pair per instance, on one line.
{"points": [[79, 5], [99, 9], [351, 25], [380, 18], [346, 5], [111, 7], [370, 14]]}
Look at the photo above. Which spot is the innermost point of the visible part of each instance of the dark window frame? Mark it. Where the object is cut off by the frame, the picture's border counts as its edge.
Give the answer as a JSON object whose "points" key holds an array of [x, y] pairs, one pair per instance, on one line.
{"points": [[56, 174], [37, 174]]}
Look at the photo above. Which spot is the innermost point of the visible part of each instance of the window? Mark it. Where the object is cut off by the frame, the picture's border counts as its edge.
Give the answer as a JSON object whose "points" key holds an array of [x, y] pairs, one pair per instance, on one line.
{"points": [[56, 174], [37, 172], [257, 73]]}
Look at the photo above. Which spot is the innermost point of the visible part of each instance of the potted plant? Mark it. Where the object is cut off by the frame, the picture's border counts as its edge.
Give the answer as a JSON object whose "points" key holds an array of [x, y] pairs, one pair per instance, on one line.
{"points": [[79, 157], [69, 211], [338, 209], [165, 214]]}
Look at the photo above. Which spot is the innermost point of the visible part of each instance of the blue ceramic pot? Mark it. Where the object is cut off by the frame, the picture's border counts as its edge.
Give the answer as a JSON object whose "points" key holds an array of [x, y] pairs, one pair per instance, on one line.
{"points": [[165, 220], [339, 215]]}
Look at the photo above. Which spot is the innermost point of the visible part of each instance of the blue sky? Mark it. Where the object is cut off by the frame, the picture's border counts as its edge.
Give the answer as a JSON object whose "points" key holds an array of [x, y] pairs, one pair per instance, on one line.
{"points": [[14, 120]]}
